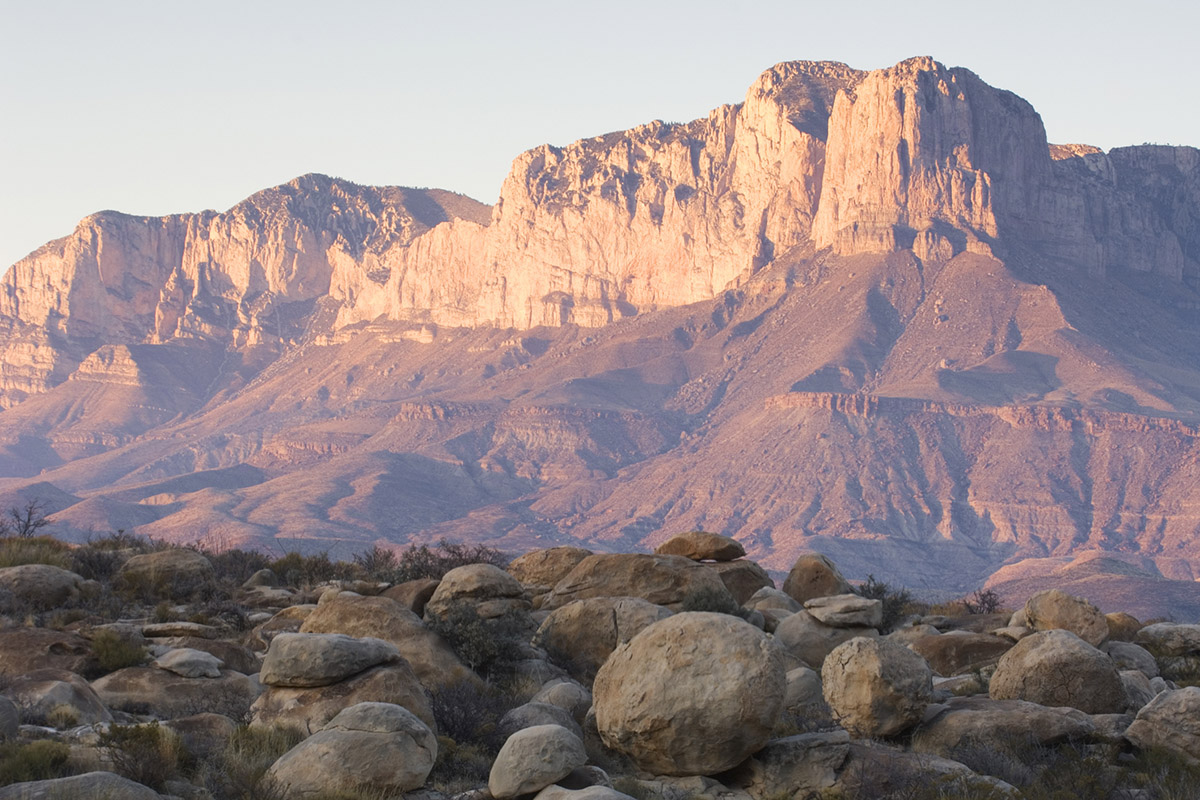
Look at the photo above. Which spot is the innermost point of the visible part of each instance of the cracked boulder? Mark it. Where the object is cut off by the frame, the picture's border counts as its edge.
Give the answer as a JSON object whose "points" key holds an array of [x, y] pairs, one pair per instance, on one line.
{"points": [[1057, 668]]}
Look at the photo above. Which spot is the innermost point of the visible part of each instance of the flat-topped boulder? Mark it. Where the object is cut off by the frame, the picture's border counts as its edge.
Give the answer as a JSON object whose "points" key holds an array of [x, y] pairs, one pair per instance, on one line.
{"points": [[41, 587], [303, 660], [659, 579], [702, 546], [814, 575], [846, 611], [546, 567]]}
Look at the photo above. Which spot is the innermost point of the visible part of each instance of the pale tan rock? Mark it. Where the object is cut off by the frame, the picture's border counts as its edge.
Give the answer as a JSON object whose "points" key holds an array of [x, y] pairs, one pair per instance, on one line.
{"points": [[88, 786], [190, 663], [1057, 668], [956, 653], [567, 694], [1127, 655], [771, 598], [534, 758], [414, 594], [43, 692], [40, 586], [1170, 721], [846, 611], [1122, 627], [1170, 639], [693, 694], [702, 546], [24, 650], [180, 629], [1053, 609], [584, 633], [983, 722], [743, 578], [175, 572], [477, 585], [876, 688], [811, 640], [662, 580], [814, 575], [803, 688], [546, 567], [304, 660], [376, 747], [168, 695]]}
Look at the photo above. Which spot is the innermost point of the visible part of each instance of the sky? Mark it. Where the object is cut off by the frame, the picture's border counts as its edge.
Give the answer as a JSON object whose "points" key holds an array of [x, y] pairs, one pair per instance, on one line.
{"points": [[163, 106]]}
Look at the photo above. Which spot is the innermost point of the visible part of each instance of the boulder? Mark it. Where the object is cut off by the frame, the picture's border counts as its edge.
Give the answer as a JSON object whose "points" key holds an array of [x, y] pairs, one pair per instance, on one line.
{"points": [[742, 578], [1053, 609], [302, 660], [693, 694], [41, 587], [546, 567], [956, 653], [232, 655], [846, 611], [369, 747], [795, 766], [310, 710], [803, 688], [24, 650], [1057, 668], [414, 594], [968, 722], [1137, 689], [533, 714], [875, 687], [662, 580], [814, 575], [534, 758], [1122, 627], [767, 598], [1127, 655], [88, 786], [176, 573], [433, 661], [584, 633], [167, 630], [10, 719], [45, 693], [190, 663], [1170, 639], [142, 690], [489, 590], [875, 769], [571, 696], [287, 620], [1170, 721], [702, 546], [203, 735], [556, 792], [811, 640]]}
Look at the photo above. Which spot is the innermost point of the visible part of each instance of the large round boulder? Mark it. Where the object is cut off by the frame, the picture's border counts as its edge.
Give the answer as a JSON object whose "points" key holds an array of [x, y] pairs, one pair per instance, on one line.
{"points": [[142, 690], [176, 573], [814, 575], [302, 660], [534, 758], [875, 687], [40, 586], [693, 694], [581, 635], [488, 589], [702, 546], [369, 748], [42, 694], [662, 580], [1170, 721], [1054, 609], [1057, 668], [546, 567]]}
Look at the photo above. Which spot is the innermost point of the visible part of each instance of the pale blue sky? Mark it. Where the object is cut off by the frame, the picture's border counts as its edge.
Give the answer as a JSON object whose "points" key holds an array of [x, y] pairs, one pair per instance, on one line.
{"points": [[159, 106]]}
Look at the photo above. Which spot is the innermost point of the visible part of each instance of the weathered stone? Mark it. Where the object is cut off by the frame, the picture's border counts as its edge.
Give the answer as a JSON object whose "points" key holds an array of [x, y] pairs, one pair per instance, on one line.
{"points": [[693, 694], [41, 587], [475, 584], [10, 719], [876, 688], [875, 769], [190, 663], [846, 611], [533, 714], [176, 573], [584, 633], [702, 546], [742, 578], [203, 735], [1137, 689], [571, 696], [1122, 627], [814, 575], [1057, 668], [662, 580], [811, 641], [534, 758], [370, 747], [770, 598], [795, 766], [24, 650], [555, 792], [414, 594], [88, 786], [310, 710], [167, 695], [1056, 610], [1127, 655], [433, 661], [956, 653], [803, 688], [966, 722], [41, 694], [1170, 721], [1170, 639], [168, 630], [233, 655], [546, 567], [301, 660]]}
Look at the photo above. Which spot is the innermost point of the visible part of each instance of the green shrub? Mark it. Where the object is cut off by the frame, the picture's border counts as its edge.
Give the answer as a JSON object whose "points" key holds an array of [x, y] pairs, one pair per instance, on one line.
{"points": [[235, 566], [302, 571], [897, 602], [378, 563], [489, 646], [148, 754], [237, 771], [983, 601], [422, 561], [33, 761], [113, 651], [17, 551]]}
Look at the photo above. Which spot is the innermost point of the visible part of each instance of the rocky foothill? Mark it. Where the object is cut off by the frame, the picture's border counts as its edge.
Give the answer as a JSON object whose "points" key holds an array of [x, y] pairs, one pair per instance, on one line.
{"points": [[134, 669]]}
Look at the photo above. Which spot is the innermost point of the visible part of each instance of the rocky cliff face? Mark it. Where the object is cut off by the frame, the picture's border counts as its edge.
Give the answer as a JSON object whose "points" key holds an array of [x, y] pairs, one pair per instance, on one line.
{"points": [[871, 312]]}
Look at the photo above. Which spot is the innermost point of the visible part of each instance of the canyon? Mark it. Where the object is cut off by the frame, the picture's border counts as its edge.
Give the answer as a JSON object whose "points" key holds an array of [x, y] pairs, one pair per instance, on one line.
{"points": [[869, 313]]}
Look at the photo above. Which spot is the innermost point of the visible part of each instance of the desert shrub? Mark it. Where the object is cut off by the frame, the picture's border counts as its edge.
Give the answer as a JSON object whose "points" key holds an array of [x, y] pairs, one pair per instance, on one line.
{"points": [[302, 571], [148, 754], [235, 566], [121, 541], [422, 561], [113, 651], [897, 601], [460, 767], [378, 563], [96, 563], [62, 717], [489, 646], [237, 771], [983, 601], [33, 761], [24, 521], [16, 551], [468, 715]]}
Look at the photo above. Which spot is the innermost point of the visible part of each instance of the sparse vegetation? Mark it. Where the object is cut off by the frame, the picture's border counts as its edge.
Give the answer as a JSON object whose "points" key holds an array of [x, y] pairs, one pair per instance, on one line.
{"points": [[983, 601], [488, 646], [422, 561], [25, 521], [148, 753], [16, 551], [114, 652], [33, 761], [897, 602]]}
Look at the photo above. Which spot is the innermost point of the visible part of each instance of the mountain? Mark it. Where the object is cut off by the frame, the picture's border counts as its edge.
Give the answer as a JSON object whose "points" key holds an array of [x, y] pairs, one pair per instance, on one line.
{"points": [[874, 314]]}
